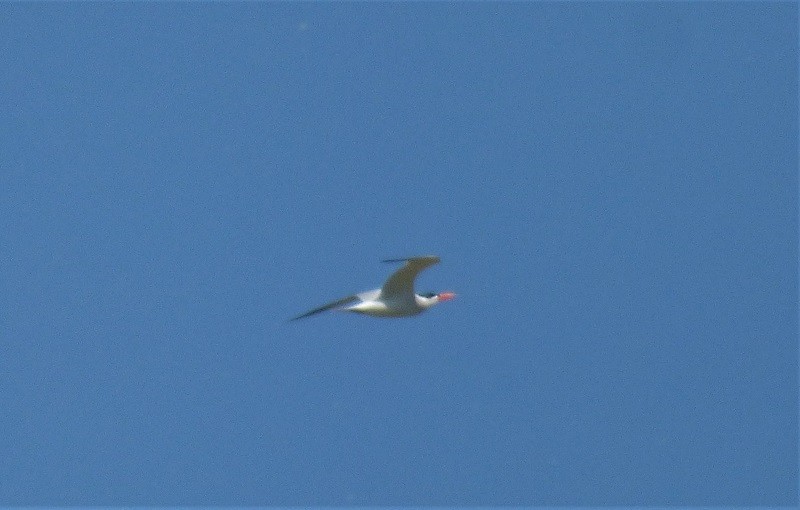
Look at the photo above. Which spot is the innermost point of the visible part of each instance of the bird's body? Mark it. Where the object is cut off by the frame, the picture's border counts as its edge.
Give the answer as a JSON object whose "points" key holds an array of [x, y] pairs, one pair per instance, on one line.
{"points": [[395, 299]]}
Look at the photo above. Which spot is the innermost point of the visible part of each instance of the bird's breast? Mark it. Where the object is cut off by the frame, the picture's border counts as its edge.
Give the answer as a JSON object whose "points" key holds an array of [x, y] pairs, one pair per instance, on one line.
{"points": [[386, 309]]}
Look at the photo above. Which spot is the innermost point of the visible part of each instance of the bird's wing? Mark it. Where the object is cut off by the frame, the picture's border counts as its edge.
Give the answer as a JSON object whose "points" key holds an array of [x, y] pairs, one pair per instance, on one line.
{"points": [[369, 295], [324, 308], [401, 283]]}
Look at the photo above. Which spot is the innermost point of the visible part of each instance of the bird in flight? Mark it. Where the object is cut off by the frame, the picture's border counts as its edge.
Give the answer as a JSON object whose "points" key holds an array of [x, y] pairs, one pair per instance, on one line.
{"points": [[395, 299]]}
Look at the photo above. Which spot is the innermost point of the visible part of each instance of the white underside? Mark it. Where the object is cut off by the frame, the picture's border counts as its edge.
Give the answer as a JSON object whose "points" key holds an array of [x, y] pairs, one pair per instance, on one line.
{"points": [[382, 309]]}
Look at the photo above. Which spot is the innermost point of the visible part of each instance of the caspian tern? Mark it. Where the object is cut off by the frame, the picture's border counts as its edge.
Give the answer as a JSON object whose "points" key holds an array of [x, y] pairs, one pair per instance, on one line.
{"points": [[395, 299]]}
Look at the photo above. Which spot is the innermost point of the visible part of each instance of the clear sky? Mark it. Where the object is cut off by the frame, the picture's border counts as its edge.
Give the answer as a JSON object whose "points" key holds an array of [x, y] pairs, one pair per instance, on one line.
{"points": [[612, 188]]}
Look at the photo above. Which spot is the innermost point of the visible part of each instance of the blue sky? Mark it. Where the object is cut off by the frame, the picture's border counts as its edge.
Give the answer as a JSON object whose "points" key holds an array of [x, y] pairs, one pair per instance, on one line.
{"points": [[612, 188]]}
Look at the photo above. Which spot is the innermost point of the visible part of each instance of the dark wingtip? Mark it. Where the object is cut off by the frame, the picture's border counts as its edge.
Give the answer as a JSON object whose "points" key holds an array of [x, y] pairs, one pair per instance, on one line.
{"points": [[325, 308]]}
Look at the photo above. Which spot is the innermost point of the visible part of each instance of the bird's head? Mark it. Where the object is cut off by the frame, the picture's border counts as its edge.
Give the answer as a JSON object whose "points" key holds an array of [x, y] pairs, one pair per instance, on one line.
{"points": [[438, 297]]}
